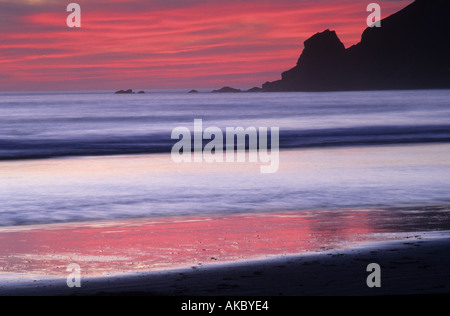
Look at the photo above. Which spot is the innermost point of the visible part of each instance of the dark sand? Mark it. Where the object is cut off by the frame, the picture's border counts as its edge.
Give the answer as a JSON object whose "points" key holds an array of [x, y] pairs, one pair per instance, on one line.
{"points": [[296, 253], [419, 264]]}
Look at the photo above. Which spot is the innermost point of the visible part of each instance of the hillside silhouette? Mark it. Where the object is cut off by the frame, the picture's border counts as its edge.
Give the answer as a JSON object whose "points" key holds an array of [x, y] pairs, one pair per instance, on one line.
{"points": [[411, 50]]}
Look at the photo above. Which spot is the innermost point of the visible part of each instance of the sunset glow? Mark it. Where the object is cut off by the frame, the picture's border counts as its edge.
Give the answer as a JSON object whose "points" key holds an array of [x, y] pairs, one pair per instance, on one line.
{"points": [[165, 44]]}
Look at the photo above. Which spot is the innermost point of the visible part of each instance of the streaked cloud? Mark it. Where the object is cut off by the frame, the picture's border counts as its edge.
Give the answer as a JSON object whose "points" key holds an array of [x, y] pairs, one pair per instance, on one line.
{"points": [[165, 44]]}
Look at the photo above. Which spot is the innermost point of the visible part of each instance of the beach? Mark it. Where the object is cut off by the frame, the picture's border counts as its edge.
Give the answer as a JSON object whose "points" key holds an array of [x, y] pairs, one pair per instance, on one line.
{"points": [[99, 198], [296, 253], [204, 148]]}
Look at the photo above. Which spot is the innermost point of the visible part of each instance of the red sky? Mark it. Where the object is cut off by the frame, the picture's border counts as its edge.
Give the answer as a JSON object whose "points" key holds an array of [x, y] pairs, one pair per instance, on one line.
{"points": [[165, 44]]}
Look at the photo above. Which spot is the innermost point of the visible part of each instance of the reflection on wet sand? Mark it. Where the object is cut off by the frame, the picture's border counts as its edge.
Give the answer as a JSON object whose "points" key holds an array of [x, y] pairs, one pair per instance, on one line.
{"points": [[109, 248]]}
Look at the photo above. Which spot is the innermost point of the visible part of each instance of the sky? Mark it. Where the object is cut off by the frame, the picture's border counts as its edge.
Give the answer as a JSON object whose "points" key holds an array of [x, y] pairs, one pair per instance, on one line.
{"points": [[165, 44]]}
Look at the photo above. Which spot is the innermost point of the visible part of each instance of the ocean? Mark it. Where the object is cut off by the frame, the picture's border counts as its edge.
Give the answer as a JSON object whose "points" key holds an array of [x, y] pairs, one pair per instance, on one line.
{"points": [[94, 156]]}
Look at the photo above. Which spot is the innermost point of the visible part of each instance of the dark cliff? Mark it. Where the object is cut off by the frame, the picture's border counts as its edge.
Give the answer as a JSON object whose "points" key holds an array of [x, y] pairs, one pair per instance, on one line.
{"points": [[411, 50]]}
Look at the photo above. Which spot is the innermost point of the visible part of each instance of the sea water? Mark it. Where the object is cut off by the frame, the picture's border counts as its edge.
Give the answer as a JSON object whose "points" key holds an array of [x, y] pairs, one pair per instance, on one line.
{"points": [[71, 157]]}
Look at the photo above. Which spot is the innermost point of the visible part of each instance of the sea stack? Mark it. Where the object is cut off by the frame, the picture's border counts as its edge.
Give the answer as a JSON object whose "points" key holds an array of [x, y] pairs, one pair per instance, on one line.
{"points": [[129, 91], [409, 51], [227, 90]]}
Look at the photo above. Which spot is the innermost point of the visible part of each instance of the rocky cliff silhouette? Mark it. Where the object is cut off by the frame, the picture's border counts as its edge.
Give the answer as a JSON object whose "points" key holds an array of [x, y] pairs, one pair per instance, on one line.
{"points": [[411, 50]]}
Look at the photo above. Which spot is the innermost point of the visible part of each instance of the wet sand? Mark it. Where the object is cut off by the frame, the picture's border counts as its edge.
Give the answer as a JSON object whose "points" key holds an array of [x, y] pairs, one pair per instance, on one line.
{"points": [[293, 253], [417, 265]]}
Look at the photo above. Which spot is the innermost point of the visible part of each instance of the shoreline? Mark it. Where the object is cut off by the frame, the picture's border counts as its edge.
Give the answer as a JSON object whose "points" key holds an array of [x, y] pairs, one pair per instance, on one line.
{"points": [[415, 265], [226, 254]]}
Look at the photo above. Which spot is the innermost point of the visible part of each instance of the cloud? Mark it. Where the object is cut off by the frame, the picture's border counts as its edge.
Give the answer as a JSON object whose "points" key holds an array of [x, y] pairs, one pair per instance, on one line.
{"points": [[164, 43]]}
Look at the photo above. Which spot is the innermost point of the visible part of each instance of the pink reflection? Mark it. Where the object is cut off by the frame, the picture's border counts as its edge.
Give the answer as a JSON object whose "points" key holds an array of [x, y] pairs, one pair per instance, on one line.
{"points": [[147, 245]]}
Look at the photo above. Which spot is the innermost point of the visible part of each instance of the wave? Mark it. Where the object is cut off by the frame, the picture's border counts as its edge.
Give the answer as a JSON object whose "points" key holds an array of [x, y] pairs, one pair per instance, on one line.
{"points": [[107, 145]]}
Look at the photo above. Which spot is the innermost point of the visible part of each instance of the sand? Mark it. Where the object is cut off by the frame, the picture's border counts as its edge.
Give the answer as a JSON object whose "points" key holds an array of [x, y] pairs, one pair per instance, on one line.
{"points": [[417, 265], [284, 254]]}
